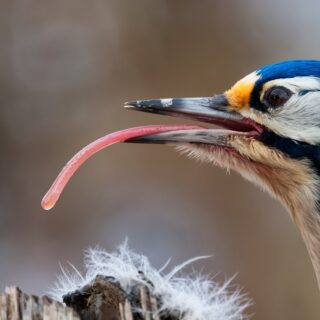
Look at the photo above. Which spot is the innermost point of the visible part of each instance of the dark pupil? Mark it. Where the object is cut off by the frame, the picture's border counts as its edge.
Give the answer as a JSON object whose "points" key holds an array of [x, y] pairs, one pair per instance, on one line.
{"points": [[277, 97]]}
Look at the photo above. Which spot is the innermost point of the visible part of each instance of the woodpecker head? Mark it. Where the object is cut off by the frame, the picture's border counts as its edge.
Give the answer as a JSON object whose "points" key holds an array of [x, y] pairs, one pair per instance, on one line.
{"points": [[270, 130]]}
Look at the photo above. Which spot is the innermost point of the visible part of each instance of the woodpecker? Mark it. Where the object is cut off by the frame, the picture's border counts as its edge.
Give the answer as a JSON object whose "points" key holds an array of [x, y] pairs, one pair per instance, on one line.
{"points": [[269, 133]]}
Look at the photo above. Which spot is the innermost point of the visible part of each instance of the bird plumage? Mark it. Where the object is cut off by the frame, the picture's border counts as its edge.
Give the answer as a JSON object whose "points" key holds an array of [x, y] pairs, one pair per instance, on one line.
{"points": [[270, 135]]}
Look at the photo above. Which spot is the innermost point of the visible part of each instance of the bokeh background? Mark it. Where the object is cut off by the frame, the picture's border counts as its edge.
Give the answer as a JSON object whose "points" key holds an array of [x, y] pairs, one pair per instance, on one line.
{"points": [[66, 67]]}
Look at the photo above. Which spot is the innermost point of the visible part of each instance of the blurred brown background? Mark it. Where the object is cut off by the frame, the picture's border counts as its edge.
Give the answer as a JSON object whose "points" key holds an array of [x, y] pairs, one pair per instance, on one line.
{"points": [[67, 66]]}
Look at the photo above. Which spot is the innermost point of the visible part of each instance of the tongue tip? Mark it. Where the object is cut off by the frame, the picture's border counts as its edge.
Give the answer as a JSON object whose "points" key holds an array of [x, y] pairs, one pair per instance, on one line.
{"points": [[47, 207], [47, 204], [52, 196]]}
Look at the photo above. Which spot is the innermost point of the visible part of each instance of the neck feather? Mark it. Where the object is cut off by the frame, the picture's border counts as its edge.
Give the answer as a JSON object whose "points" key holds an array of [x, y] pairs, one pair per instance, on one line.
{"points": [[308, 222]]}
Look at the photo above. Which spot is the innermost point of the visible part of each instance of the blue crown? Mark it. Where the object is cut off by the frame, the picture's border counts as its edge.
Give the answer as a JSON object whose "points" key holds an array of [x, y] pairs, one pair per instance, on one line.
{"points": [[289, 69]]}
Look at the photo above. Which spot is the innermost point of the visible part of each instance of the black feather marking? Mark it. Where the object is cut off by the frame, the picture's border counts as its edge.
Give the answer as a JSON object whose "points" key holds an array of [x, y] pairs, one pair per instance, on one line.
{"points": [[294, 149]]}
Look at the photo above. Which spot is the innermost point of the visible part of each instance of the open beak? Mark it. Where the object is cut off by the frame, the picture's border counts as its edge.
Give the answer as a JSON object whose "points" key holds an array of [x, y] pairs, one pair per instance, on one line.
{"points": [[214, 110]]}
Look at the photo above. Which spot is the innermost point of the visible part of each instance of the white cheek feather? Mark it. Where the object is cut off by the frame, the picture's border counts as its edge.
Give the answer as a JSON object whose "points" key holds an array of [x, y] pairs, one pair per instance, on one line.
{"points": [[184, 297], [299, 118]]}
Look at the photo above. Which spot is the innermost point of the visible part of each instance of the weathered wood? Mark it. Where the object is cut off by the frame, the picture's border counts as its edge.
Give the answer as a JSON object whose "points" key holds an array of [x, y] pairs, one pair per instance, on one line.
{"points": [[104, 299], [3, 306], [154, 308], [145, 303], [16, 305], [127, 311], [101, 299]]}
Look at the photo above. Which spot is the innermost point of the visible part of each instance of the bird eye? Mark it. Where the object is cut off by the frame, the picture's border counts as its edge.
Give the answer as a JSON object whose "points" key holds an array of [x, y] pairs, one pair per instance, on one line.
{"points": [[277, 96]]}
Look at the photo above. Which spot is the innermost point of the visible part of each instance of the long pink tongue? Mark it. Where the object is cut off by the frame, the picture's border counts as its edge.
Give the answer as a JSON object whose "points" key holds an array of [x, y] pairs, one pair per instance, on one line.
{"points": [[53, 194]]}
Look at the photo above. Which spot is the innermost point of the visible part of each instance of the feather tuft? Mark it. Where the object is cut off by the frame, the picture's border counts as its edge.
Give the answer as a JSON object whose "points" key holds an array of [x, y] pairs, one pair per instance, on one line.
{"points": [[186, 297]]}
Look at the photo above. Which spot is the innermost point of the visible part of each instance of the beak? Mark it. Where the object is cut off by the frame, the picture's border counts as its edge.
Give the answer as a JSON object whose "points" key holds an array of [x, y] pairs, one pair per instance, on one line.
{"points": [[214, 110]]}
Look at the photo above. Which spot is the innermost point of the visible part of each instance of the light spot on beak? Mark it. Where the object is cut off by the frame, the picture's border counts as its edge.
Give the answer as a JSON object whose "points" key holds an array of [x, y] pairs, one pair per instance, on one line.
{"points": [[239, 95], [166, 102]]}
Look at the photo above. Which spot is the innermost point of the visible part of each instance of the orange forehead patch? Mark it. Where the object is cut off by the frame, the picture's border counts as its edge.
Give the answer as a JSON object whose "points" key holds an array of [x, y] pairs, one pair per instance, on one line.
{"points": [[239, 95]]}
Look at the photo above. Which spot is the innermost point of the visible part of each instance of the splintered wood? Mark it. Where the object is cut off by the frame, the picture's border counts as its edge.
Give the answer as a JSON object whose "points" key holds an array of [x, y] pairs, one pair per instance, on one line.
{"points": [[16, 305], [148, 308], [102, 299]]}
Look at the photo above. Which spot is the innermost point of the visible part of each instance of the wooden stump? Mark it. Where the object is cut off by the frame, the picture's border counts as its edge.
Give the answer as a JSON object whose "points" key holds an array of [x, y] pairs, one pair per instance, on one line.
{"points": [[16, 305], [101, 299]]}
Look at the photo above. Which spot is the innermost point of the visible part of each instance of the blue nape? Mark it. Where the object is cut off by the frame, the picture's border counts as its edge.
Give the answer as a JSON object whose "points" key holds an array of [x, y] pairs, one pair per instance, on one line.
{"points": [[289, 69]]}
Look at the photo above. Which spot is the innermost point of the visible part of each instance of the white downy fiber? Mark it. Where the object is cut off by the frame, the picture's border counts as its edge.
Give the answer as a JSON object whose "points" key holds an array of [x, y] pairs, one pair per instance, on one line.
{"points": [[186, 297]]}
